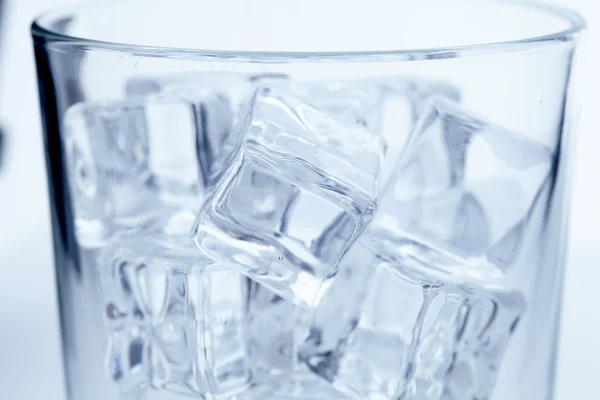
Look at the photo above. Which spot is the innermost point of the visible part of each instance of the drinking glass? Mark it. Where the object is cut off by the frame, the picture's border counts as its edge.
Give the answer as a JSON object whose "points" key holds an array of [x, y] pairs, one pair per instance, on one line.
{"points": [[309, 199]]}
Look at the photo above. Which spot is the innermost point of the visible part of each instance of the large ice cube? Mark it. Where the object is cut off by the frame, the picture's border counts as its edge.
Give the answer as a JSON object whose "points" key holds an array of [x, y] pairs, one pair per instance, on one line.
{"points": [[134, 163], [386, 332], [463, 186], [175, 320], [301, 190]]}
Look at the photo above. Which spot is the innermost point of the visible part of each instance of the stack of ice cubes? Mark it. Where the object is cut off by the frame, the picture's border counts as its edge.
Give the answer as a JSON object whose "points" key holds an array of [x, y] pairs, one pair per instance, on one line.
{"points": [[260, 237]]}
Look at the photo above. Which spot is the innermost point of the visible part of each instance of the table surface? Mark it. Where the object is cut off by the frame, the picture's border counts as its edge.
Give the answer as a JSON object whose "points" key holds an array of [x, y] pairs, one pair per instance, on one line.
{"points": [[30, 366]]}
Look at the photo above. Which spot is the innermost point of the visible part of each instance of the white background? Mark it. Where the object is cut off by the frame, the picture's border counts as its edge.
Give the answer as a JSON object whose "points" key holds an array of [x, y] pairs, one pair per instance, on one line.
{"points": [[30, 366]]}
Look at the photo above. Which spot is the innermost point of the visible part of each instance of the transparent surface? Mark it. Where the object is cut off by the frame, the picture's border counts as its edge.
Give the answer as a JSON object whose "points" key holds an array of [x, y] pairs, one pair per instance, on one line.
{"points": [[397, 27], [306, 225]]}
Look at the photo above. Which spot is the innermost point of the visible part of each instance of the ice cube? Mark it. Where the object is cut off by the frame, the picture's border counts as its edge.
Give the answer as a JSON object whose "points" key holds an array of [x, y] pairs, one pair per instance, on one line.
{"points": [[463, 186], [272, 324], [134, 163], [299, 193], [175, 320], [387, 333], [434, 354], [484, 336], [362, 332]]}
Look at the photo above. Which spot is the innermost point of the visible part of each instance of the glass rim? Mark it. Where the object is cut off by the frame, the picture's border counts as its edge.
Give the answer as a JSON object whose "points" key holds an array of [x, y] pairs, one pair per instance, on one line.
{"points": [[42, 35]]}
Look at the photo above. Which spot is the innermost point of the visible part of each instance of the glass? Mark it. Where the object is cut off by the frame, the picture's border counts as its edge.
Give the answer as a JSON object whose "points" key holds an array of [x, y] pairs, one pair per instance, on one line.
{"points": [[309, 199]]}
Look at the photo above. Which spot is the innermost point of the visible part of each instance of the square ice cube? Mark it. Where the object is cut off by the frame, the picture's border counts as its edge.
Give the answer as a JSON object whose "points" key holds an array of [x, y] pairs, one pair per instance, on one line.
{"points": [[299, 193], [388, 332], [175, 320], [133, 164], [463, 186], [365, 352]]}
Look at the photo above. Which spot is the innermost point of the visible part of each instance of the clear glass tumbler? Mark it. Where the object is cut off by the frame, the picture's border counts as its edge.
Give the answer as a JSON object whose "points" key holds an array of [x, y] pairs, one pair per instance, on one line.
{"points": [[308, 200]]}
